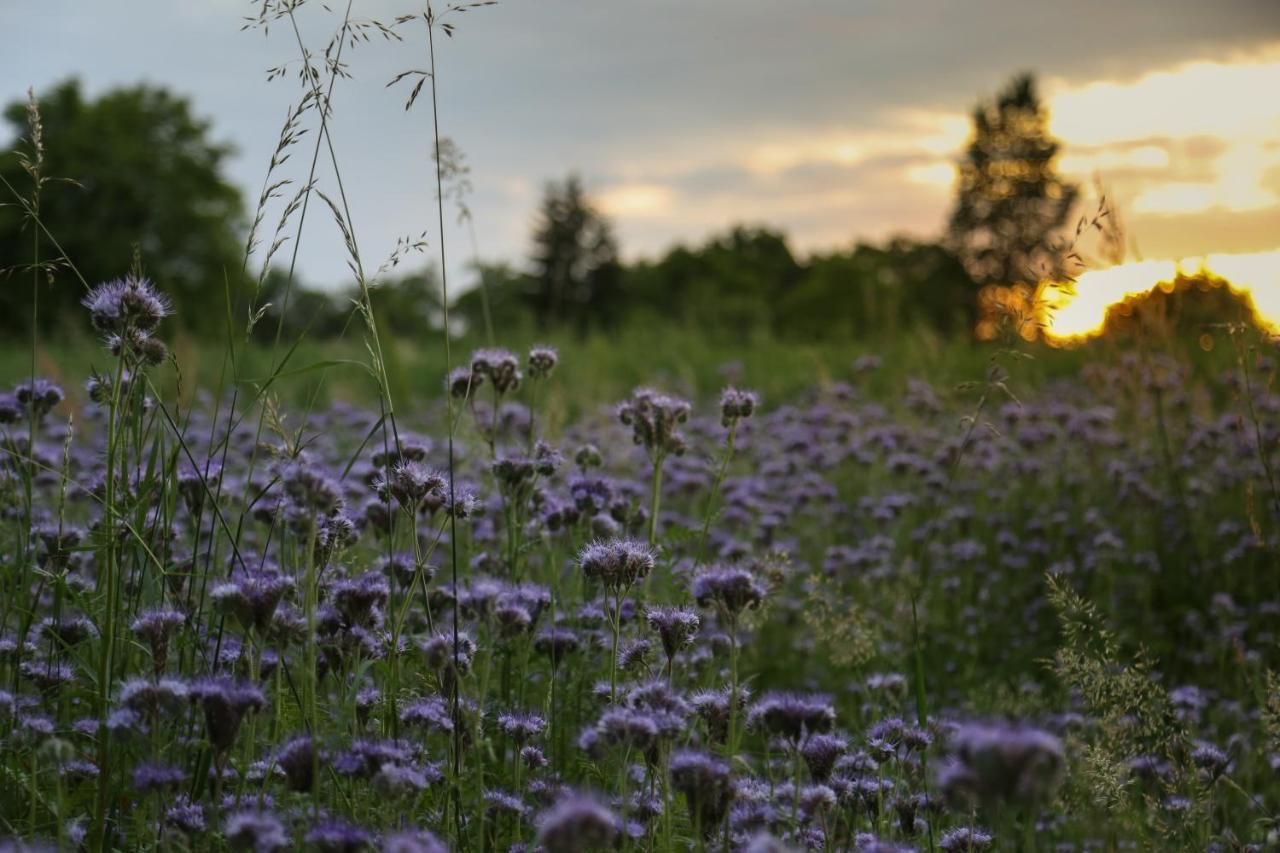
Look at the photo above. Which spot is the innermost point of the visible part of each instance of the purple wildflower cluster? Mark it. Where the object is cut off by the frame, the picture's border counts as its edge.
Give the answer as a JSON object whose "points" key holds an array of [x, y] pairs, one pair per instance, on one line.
{"points": [[821, 626]]}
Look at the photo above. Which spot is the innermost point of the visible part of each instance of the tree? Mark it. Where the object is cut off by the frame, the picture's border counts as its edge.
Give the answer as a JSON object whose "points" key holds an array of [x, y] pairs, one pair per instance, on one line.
{"points": [[878, 290], [730, 283], [1010, 202], [131, 168], [576, 272]]}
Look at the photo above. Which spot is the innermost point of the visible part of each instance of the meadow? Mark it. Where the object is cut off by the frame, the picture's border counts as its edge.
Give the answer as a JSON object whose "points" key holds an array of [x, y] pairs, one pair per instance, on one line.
{"points": [[647, 587], [1030, 607]]}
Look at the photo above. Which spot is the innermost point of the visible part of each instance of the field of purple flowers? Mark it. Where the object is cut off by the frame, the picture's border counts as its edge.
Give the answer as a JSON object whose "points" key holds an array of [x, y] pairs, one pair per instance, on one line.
{"points": [[1042, 621]]}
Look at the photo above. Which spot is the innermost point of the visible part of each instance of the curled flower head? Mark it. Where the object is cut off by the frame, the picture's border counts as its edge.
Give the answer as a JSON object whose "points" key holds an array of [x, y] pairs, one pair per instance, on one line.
{"points": [[704, 781], [415, 485], [521, 727], [413, 841], [225, 704], [156, 627], [965, 840], [654, 419], [729, 588], [618, 564], [542, 360], [431, 713], [462, 382], [252, 597], [792, 715], [997, 763], [126, 304], [498, 366], [297, 758], [144, 696], [577, 823], [675, 626], [337, 836], [260, 832], [38, 397], [185, 816], [820, 752], [736, 405], [157, 777]]}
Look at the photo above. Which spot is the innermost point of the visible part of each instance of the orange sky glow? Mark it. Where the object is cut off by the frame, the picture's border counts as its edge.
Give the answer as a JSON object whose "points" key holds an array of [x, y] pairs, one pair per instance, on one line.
{"points": [[1188, 155]]}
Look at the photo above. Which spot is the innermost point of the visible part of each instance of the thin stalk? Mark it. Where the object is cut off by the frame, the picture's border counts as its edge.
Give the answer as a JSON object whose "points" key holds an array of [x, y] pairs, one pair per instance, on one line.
{"points": [[448, 362], [715, 493]]}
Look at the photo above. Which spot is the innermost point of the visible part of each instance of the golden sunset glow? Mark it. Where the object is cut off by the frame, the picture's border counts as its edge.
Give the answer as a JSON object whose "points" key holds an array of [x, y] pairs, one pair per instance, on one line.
{"points": [[1077, 312]]}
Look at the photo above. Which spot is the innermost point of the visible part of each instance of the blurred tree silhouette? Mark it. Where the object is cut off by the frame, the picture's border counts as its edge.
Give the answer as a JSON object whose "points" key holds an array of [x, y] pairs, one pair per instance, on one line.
{"points": [[141, 171], [575, 260], [1187, 308], [1010, 202], [729, 284], [879, 290]]}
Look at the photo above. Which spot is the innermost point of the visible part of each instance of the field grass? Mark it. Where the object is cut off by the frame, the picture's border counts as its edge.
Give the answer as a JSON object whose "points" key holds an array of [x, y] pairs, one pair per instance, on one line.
{"points": [[965, 597], [595, 367]]}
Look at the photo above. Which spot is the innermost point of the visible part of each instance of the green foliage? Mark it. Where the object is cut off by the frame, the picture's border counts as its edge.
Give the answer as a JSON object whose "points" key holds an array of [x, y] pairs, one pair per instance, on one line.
{"points": [[131, 168], [747, 282]]}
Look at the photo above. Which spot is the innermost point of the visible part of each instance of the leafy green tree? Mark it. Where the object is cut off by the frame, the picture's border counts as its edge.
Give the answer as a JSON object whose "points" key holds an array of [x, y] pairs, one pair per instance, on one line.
{"points": [[131, 168], [730, 283], [876, 290], [1011, 202], [576, 272]]}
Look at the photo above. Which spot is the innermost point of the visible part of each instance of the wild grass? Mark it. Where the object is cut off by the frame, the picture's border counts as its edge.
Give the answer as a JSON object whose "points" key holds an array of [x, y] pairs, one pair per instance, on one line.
{"points": [[910, 593]]}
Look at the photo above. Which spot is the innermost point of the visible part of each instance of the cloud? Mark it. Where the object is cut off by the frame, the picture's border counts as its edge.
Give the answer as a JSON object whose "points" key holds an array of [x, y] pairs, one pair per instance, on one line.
{"points": [[832, 119]]}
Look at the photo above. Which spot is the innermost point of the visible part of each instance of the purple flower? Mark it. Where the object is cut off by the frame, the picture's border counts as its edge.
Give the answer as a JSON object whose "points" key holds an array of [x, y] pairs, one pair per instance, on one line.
{"points": [[430, 713], [413, 841], [153, 697], [157, 627], [628, 727], [416, 486], [252, 597], [676, 627], [225, 704], [792, 715], [336, 836], [461, 382], [653, 419], [186, 816], [359, 598], [37, 397], [556, 642], [404, 780], [729, 588], [1000, 763], [704, 781], [261, 832], [498, 802], [713, 707], [736, 405], [298, 759], [126, 304], [617, 565], [965, 840], [542, 360], [820, 752], [157, 777], [521, 727], [499, 366], [576, 824], [364, 758]]}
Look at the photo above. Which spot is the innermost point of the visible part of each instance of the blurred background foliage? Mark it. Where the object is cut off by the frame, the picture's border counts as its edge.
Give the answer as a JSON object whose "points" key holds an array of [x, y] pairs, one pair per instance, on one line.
{"points": [[134, 177]]}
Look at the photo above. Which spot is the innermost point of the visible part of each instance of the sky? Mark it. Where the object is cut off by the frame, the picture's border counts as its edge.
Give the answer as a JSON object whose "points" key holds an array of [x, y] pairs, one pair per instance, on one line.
{"points": [[834, 120]]}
